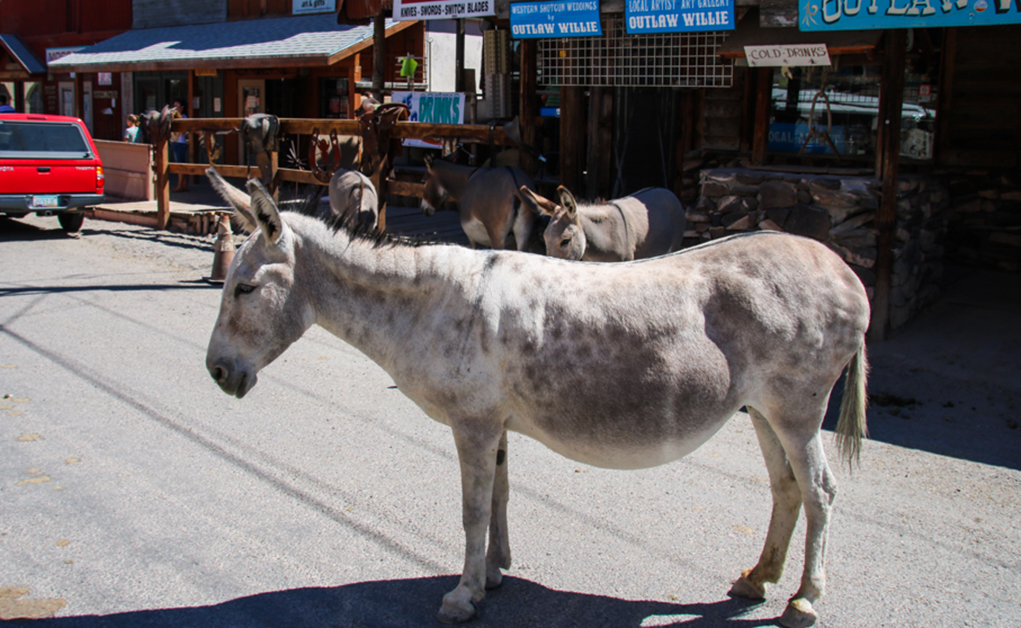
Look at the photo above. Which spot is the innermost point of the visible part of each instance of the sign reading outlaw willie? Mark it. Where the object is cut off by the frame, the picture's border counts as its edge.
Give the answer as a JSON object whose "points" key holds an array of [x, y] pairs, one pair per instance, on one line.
{"points": [[570, 18], [678, 16], [844, 15]]}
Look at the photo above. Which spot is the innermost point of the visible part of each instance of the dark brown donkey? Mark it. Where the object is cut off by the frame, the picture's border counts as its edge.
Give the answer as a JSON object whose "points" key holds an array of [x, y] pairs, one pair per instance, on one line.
{"points": [[488, 199]]}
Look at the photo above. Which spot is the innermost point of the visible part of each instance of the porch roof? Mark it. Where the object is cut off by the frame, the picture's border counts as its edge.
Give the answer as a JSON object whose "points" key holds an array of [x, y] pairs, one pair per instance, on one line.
{"points": [[21, 53], [304, 41]]}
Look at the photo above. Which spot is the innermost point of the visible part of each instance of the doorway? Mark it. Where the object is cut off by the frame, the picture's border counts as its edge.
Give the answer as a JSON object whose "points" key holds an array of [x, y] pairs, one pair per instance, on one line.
{"points": [[251, 99]]}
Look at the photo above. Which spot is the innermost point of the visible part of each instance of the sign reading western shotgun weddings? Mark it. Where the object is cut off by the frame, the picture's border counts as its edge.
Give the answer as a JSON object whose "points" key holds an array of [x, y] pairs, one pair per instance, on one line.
{"points": [[572, 18], [843, 15], [441, 9], [678, 16]]}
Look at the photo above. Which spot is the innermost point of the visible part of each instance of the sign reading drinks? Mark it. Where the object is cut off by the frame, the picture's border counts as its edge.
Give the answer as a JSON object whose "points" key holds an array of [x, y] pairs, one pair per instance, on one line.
{"points": [[678, 16], [441, 9], [842, 15], [787, 55], [574, 18], [434, 107]]}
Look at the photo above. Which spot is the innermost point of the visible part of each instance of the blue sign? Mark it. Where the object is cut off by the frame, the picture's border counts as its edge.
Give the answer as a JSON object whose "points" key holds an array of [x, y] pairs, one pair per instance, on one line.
{"points": [[535, 20], [678, 16], [789, 137], [843, 15]]}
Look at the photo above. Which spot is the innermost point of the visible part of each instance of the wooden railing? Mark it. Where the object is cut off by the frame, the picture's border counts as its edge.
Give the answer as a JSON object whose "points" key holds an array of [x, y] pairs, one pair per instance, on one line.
{"points": [[465, 133]]}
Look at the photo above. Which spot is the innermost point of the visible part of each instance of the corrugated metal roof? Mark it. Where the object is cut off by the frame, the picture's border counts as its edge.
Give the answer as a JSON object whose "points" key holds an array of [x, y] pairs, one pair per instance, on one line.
{"points": [[268, 42], [22, 53]]}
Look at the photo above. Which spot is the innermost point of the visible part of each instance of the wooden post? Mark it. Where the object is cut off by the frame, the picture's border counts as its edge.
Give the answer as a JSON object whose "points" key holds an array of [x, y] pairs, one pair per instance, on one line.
{"points": [[459, 56], [378, 56], [890, 102], [162, 166], [529, 108], [763, 92], [572, 136], [946, 89]]}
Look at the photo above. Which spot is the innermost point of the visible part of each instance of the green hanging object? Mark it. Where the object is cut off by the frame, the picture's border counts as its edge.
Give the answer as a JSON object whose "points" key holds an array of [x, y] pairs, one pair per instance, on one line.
{"points": [[408, 67]]}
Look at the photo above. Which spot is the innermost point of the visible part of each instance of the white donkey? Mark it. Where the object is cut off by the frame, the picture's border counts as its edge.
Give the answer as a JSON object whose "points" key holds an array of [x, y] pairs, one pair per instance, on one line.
{"points": [[648, 223], [651, 359]]}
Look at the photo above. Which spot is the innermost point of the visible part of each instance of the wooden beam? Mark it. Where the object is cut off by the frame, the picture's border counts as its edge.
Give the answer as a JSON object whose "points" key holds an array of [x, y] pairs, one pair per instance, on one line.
{"points": [[529, 106], [948, 65], [378, 55], [572, 136], [162, 185], [890, 102], [763, 93]]}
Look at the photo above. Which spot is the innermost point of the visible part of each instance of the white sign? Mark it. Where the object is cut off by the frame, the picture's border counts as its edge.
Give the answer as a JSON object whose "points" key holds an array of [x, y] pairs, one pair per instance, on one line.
{"points": [[302, 7], [787, 55], [442, 9], [434, 107]]}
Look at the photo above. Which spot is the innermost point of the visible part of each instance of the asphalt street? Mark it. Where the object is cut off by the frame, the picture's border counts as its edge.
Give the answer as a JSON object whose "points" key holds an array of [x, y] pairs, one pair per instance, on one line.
{"points": [[133, 492]]}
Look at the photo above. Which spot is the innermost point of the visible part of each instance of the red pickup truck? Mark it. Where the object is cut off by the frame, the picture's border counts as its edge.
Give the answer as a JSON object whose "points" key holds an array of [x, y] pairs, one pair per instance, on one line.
{"points": [[49, 165]]}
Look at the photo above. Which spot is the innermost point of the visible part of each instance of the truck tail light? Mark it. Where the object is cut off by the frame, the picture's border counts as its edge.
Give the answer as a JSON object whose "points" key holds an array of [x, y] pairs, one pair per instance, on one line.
{"points": [[100, 179]]}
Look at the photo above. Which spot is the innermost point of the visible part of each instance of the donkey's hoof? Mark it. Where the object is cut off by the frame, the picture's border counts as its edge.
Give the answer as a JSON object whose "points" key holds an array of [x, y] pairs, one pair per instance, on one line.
{"points": [[798, 614], [494, 578], [743, 587], [455, 612]]}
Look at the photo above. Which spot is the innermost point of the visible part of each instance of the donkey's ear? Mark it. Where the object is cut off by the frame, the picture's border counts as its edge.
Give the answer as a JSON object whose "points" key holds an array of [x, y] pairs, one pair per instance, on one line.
{"points": [[266, 213], [538, 204], [428, 163], [567, 201], [240, 201]]}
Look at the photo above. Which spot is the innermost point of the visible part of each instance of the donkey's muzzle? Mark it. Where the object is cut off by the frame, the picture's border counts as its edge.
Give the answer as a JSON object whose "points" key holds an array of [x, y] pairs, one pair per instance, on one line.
{"points": [[234, 382]]}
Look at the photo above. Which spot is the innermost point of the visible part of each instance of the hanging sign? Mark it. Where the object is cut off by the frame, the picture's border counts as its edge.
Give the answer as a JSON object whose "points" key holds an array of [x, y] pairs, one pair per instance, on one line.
{"points": [[442, 9], [303, 7], [843, 15], [678, 16], [787, 55], [535, 20], [434, 107]]}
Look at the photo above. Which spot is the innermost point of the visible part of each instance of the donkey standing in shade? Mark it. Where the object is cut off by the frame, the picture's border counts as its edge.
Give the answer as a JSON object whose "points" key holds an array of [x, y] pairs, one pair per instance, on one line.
{"points": [[648, 223], [488, 201], [650, 359]]}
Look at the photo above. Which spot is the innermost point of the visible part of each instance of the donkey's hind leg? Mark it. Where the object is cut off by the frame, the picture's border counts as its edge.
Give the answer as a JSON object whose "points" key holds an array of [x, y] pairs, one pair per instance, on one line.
{"points": [[798, 432], [498, 555], [786, 508]]}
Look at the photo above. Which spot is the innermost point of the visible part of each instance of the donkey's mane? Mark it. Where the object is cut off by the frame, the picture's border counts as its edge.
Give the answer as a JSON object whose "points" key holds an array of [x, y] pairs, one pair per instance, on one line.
{"points": [[309, 206]]}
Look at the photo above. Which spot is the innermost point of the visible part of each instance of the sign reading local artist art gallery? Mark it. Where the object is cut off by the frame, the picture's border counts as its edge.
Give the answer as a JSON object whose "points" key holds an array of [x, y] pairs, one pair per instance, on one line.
{"points": [[442, 9], [678, 16], [842, 15], [787, 55], [574, 18]]}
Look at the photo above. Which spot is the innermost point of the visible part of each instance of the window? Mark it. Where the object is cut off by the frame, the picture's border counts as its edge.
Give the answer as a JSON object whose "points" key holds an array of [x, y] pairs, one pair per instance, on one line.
{"points": [[831, 112]]}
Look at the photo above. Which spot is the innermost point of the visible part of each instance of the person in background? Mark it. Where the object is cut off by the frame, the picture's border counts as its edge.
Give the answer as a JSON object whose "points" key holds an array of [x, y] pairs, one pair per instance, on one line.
{"points": [[179, 145], [5, 106], [132, 133]]}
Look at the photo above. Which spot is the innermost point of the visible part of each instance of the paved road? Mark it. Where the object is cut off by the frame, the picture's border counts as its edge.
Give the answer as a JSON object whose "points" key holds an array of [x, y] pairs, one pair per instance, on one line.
{"points": [[134, 493]]}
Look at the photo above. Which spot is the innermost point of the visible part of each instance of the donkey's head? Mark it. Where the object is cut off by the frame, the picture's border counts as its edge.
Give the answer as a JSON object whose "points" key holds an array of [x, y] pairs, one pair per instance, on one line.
{"points": [[564, 235], [261, 312], [434, 194]]}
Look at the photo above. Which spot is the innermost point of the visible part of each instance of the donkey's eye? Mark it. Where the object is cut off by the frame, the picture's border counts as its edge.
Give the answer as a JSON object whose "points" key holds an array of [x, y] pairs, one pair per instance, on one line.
{"points": [[243, 288], [565, 242]]}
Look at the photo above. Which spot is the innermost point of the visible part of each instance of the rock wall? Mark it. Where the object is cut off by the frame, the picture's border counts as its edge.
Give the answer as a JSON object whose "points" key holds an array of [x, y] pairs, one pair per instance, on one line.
{"points": [[985, 218], [838, 211]]}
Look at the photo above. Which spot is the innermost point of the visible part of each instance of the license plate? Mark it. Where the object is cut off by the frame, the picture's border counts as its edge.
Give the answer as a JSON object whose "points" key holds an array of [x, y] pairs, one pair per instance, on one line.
{"points": [[45, 201]]}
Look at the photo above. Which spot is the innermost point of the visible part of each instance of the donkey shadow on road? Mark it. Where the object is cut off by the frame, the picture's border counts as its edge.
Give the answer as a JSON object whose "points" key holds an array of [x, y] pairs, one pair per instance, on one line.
{"points": [[412, 603]]}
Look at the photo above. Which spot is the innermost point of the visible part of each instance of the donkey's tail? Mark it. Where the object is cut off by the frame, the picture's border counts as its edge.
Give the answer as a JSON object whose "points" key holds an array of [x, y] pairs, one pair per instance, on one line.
{"points": [[851, 427]]}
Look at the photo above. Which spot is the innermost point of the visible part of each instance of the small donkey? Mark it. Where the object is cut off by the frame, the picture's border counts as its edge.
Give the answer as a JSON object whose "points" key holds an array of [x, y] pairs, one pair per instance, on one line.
{"points": [[648, 223]]}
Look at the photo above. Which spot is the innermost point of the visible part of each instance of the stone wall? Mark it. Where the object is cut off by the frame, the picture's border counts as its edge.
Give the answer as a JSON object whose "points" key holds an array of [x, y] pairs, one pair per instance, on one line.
{"points": [[985, 218], [838, 211]]}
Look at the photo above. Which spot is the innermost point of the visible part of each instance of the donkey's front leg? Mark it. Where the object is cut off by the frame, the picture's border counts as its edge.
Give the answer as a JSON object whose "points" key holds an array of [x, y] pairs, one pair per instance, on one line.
{"points": [[477, 446], [498, 556]]}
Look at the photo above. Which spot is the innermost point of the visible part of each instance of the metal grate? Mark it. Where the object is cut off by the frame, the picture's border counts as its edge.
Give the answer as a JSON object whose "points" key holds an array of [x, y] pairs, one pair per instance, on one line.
{"points": [[616, 59]]}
